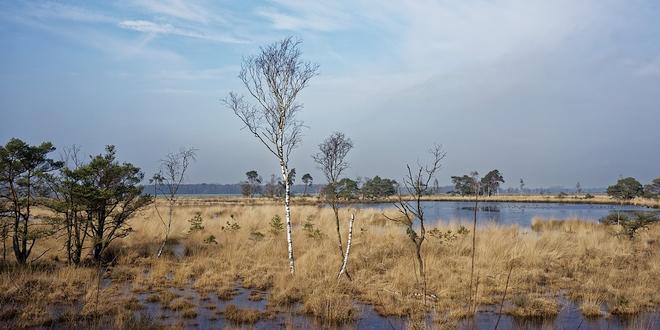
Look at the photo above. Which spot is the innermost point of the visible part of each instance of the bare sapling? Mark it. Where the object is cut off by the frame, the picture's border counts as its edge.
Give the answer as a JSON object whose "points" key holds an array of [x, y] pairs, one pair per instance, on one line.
{"points": [[274, 78], [416, 185], [167, 181], [331, 160]]}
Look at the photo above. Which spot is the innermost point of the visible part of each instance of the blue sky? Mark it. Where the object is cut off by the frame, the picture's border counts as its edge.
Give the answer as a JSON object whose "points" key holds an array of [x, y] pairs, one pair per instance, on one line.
{"points": [[554, 92]]}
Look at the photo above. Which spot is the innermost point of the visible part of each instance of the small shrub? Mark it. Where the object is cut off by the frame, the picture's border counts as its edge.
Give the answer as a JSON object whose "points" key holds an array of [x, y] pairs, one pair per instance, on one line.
{"points": [[588, 196], [231, 226], [210, 240], [444, 237], [256, 236], [463, 231], [562, 195], [276, 225], [631, 225], [196, 223], [311, 230]]}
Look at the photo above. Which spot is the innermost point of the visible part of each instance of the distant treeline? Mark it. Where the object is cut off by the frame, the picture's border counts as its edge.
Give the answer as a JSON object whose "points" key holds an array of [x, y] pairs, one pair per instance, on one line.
{"points": [[314, 189], [227, 189]]}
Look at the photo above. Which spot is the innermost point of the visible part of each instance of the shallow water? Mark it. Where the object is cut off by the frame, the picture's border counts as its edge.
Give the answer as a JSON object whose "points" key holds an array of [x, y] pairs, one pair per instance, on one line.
{"points": [[210, 309], [507, 213], [569, 317]]}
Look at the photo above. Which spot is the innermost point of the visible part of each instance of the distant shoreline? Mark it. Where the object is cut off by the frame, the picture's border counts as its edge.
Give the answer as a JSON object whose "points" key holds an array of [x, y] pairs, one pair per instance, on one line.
{"points": [[315, 200]]}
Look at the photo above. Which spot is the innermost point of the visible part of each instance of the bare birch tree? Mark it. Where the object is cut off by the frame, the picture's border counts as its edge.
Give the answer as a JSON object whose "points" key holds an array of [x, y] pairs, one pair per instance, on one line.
{"points": [[167, 182], [416, 184], [331, 160], [274, 78]]}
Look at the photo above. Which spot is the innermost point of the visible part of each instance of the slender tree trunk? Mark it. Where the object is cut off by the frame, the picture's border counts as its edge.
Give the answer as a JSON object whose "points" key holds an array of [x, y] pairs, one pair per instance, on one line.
{"points": [[69, 236], [287, 214], [4, 242], [168, 228], [474, 243], [16, 240], [348, 249], [420, 261], [335, 209]]}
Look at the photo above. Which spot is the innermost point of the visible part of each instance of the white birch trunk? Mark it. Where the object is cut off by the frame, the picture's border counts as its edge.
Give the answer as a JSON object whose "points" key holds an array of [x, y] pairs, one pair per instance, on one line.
{"points": [[168, 228], [348, 246], [287, 214]]}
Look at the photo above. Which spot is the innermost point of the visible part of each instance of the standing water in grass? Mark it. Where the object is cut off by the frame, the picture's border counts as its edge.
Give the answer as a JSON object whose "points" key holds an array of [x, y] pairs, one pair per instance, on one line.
{"points": [[505, 213]]}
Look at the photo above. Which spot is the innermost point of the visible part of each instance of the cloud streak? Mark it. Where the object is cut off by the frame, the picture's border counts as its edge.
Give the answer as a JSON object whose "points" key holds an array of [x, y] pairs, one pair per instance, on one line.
{"points": [[169, 29]]}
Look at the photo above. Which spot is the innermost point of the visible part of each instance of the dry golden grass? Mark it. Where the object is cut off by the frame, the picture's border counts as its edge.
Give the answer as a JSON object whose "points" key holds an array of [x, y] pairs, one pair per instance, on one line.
{"points": [[584, 261]]}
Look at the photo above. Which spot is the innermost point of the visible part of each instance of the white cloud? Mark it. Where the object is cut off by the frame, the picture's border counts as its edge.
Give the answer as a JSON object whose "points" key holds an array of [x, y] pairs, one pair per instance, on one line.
{"points": [[147, 26]]}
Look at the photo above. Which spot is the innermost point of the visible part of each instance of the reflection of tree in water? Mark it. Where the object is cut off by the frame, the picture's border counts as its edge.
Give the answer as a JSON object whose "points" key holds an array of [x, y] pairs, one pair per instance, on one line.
{"points": [[481, 208]]}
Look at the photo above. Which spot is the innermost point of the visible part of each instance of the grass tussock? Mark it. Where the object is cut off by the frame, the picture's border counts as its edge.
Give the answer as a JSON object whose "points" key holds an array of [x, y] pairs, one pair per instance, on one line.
{"points": [[241, 315], [526, 306], [585, 261]]}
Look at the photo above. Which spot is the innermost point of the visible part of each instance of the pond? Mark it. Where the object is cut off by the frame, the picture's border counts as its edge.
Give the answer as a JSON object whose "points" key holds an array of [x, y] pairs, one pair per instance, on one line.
{"points": [[509, 213]]}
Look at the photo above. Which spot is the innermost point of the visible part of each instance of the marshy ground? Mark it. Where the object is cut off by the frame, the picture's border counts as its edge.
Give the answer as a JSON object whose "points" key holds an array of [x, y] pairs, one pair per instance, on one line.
{"points": [[233, 273]]}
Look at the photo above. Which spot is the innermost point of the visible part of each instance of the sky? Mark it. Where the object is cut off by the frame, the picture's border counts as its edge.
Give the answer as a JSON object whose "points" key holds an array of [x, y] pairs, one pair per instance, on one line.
{"points": [[554, 92]]}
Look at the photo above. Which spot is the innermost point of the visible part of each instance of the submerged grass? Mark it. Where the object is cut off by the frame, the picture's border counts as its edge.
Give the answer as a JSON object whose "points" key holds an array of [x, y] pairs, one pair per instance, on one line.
{"points": [[587, 262]]}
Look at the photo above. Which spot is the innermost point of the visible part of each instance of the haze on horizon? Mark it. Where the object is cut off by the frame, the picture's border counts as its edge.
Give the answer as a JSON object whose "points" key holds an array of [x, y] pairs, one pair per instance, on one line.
{"points": [[554, 92]]}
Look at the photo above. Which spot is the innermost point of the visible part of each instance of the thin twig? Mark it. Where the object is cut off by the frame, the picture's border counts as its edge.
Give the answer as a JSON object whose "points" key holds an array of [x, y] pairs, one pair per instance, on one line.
{"points": [[506, 287]]}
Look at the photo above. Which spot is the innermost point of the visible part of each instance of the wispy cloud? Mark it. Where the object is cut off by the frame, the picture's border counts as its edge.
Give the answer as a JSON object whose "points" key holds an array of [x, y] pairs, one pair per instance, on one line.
{"points": [[183, 9], [169, 29], [305, 15], [117, 47], [60, 11]]}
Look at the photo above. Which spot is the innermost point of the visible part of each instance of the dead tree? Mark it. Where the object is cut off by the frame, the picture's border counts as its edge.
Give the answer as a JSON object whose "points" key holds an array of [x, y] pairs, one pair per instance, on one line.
{"points": [[274, 79], [331, 160], [416, 184], [167, 182]]}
